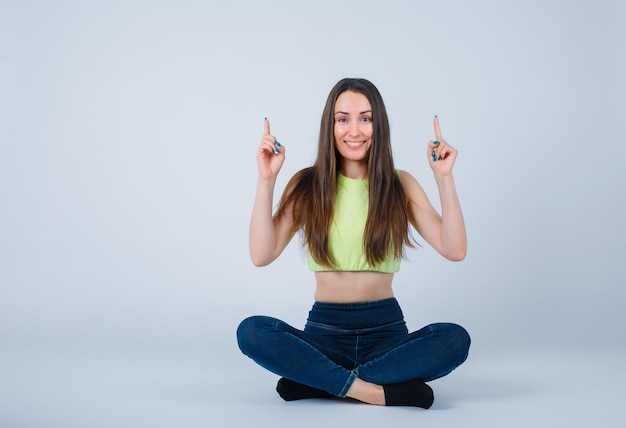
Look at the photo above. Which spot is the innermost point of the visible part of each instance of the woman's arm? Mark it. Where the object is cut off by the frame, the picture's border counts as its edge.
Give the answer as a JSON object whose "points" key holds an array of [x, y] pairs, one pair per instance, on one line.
{"points": [[445, 232], [268, 235]]}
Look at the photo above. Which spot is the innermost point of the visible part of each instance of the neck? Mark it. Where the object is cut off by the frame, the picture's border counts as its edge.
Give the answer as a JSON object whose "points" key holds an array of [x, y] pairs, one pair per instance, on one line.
{"points": [[354, 170]]}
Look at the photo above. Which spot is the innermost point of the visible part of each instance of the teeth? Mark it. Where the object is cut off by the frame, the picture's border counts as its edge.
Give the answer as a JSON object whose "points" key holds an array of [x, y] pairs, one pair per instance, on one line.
{"points": [[354, 144]]}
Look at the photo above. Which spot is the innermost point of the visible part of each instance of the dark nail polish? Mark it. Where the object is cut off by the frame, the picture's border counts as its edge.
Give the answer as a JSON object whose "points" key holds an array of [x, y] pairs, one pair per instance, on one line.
{"points": [[277, 143], [436, 143], [440, 158]]}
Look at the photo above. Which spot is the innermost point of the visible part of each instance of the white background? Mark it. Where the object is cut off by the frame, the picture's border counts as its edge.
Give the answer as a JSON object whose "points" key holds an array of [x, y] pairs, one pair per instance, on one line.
{"points": [[128, 134]]}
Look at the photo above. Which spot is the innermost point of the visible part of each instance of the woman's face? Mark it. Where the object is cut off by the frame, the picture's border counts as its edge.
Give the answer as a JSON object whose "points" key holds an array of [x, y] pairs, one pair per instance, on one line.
{"points": [[353, 127]]}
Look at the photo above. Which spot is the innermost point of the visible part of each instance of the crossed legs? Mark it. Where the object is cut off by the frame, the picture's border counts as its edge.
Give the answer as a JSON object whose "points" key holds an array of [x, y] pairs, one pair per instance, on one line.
{"points": [[313, 365]]}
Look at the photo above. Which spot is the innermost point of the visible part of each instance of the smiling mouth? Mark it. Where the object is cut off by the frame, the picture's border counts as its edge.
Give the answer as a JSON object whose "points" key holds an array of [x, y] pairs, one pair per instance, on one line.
{"points": [[354, 144]]}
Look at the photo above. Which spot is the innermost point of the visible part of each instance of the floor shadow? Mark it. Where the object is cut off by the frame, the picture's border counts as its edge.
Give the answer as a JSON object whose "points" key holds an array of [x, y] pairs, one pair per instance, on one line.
{"points": [[467, 388]]}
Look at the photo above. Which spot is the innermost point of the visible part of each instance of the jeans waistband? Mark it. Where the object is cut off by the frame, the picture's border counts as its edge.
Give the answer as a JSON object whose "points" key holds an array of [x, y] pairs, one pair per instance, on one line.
{"points": [[356, 315]]}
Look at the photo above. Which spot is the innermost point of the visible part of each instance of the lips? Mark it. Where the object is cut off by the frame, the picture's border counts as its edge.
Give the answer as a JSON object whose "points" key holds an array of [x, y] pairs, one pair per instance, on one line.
{"points": [[354, 144]]}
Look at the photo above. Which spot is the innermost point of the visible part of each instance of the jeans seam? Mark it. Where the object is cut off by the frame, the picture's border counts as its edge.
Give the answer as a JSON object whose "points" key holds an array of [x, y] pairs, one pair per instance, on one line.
{"points": [[346, 387], [356, 349]]}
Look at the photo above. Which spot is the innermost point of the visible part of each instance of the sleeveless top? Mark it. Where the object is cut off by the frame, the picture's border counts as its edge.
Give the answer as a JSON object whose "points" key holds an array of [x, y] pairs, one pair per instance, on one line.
{"points": [[345, 239]]}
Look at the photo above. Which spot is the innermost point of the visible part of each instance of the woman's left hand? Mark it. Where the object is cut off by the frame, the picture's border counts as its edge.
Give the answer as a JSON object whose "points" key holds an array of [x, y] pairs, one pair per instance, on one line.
{"points": [[441, 155]]}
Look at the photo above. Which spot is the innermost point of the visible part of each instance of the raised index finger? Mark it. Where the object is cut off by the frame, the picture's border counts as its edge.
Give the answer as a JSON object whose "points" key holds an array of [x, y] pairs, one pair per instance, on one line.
{"points": [[437, 130], [266, 126]]}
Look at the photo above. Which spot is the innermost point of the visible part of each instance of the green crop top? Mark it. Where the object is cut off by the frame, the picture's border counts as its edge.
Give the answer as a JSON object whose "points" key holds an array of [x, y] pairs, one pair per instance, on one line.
{"points": [[345, 240]]}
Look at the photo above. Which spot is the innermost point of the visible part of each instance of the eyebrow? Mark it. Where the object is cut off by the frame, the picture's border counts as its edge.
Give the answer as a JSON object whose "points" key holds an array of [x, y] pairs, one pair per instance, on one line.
{"points": [[343, 112]]}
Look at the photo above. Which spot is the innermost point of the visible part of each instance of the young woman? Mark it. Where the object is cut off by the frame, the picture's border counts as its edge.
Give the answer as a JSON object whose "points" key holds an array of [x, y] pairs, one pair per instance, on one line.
{"points": [[354, 210]]}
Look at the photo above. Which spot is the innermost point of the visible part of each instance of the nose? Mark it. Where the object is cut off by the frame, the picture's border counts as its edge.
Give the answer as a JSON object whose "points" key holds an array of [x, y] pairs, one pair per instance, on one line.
{"points": [[354, 128]]}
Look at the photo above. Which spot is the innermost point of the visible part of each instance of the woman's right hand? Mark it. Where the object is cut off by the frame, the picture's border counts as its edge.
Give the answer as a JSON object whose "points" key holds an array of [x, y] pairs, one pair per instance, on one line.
{"points": [[270, 156]]}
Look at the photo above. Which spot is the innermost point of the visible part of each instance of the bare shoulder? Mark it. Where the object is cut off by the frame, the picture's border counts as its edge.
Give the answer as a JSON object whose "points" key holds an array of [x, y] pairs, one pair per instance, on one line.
{"points": [[406, 178], [413, 191], [409, 183]]}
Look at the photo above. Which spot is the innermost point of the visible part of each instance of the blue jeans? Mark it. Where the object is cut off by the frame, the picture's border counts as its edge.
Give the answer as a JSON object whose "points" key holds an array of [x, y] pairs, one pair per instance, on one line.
{"points": [[343, 341]]}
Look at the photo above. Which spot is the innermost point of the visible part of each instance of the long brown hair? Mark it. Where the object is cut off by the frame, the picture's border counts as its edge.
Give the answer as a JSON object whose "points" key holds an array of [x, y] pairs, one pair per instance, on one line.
{"points": [[311, 192]]}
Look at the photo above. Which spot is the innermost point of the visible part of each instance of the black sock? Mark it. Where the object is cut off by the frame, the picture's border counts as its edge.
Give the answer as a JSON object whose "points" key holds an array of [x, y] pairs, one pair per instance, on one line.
{"points": [[411, 393], [290, 390]]}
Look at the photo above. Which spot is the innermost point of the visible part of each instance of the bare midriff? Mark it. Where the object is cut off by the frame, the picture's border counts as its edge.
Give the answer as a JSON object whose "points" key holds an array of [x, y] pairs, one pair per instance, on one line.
{"points": [[352, 287]]}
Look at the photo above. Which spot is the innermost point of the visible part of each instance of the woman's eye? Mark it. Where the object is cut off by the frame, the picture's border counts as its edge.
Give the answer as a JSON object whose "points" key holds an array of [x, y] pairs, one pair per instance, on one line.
{"points": [[366, 119], [342, 119]]}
